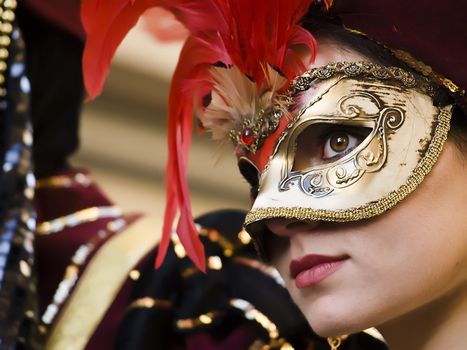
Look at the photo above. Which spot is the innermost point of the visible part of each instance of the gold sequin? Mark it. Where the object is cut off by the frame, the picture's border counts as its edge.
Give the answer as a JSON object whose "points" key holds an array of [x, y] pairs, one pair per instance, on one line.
{"points": [[212, 234], [134, 275], [7, 16], [215, 263], [201, 320], [178, 246], [244, 237], [149, 303]]}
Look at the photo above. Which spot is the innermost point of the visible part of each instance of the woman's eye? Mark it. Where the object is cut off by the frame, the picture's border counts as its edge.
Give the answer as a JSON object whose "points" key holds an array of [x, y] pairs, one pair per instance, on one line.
{"points": [[323, 143], [339, 143]]}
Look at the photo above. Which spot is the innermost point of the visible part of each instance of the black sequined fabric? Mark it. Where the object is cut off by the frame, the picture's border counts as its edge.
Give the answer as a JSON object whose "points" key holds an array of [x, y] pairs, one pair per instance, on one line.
{"points": [[18, 313]]}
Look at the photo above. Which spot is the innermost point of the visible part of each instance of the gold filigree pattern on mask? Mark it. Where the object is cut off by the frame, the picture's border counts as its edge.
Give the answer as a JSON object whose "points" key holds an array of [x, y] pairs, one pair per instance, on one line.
{"points": [[256, 130], [369, 156], [361, 69]]}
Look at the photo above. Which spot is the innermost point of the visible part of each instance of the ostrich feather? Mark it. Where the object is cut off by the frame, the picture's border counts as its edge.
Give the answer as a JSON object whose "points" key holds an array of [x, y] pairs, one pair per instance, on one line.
{"points": [[236, 98]]}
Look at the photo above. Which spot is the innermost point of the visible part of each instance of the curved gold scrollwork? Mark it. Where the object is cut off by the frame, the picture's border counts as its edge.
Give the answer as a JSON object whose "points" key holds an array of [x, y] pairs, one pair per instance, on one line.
{"points": [[353, 110], [370, 156]]}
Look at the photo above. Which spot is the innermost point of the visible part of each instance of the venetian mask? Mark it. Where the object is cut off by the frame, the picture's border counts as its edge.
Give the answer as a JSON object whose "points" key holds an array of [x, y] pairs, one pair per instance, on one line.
{"points": [[357, 140]]}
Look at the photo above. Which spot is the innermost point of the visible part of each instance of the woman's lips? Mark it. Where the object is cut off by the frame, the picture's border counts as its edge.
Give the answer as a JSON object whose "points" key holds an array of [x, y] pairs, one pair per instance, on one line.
{"points": [[312, 269]]}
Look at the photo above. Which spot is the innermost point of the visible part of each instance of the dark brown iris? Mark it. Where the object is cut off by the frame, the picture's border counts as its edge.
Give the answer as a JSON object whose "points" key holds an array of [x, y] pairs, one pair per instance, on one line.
{"points": [[339, 142]]}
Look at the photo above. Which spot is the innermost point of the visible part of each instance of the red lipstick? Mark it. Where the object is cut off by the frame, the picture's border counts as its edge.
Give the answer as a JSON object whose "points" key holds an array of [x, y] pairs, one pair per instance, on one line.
{"points": [[312, 269]]}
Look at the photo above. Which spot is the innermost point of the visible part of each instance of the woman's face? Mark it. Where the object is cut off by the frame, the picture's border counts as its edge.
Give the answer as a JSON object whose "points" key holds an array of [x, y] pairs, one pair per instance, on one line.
{"points": [[406, 259]]}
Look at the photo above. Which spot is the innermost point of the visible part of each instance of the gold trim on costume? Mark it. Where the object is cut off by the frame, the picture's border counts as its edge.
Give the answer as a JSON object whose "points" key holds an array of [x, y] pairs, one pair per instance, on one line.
{"points": [[253, 314], [189, 272], [100, 283], [201, 320], [64, 181], [149, 303], [214, 262], [72, 272], [374, 208], [212, 234], [78, 218]]}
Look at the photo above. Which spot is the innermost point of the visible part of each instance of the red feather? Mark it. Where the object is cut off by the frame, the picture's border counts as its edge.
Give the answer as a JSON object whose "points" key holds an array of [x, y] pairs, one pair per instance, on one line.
{"points": [[250, 34], [106, 23], [163, 25]]}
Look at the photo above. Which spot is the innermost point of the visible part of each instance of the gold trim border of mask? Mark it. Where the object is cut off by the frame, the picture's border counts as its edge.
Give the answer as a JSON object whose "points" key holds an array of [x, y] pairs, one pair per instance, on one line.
{"points": [[375, 208]]}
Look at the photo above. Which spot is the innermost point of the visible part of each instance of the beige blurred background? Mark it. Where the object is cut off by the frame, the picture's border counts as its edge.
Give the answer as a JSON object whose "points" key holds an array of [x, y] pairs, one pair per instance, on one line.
{"points": [[123, 136]]}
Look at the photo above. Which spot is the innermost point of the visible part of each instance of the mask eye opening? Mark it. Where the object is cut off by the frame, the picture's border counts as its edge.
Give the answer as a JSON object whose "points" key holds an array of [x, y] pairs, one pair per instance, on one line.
{"points": [[315, 146]]}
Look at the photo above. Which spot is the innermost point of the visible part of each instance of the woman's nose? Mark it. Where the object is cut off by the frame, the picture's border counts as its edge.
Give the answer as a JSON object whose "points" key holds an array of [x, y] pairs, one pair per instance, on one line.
{"points": [[287, 227]]}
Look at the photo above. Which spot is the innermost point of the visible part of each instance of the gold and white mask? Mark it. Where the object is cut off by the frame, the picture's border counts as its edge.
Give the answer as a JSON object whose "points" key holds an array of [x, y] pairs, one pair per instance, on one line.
{"points": [[360, 138]]}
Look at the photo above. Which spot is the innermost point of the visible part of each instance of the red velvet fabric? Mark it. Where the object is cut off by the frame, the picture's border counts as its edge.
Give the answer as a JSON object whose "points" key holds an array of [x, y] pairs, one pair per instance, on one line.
{"points": [[433, 31], [51, 203], [54, 251]]}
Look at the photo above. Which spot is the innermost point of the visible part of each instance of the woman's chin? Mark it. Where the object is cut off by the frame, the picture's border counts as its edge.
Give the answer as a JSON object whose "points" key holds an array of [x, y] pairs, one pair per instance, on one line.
{"points": [[332, 322], [334, 329]]}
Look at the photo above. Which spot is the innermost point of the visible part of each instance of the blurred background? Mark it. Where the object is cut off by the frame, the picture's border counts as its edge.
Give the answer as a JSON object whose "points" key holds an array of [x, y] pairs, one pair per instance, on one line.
{"points": [[123, 136]]}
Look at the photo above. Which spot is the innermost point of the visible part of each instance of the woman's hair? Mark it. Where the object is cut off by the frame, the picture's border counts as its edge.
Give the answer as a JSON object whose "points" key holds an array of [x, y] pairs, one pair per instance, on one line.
{"points": [[332, 32]]}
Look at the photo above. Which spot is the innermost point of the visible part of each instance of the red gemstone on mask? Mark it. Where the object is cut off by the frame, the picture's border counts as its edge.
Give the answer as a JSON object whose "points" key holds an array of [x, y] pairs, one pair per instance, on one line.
{"points": [[247, 137]]}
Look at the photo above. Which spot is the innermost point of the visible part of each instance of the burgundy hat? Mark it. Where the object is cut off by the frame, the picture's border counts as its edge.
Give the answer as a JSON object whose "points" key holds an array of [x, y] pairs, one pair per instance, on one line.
{"points": [[433, 32]]}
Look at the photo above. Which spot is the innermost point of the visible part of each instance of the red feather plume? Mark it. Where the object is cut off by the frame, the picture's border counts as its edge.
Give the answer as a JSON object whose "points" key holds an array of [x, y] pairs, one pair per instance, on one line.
{"points": [[250, 34]]}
